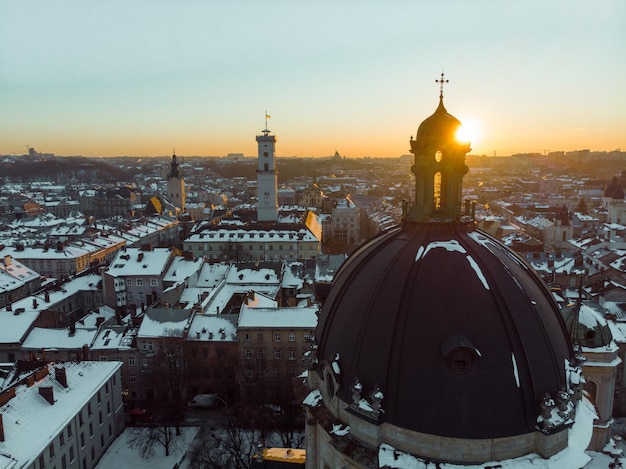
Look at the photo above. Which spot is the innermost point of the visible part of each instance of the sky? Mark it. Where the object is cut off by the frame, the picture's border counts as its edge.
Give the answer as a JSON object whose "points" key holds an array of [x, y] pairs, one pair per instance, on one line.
{"points": [[145, 77]]}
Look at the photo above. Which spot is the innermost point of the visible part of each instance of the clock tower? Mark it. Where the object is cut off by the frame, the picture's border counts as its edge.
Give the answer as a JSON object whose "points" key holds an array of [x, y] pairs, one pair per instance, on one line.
{"points": [[176, 185], [267, 177]]}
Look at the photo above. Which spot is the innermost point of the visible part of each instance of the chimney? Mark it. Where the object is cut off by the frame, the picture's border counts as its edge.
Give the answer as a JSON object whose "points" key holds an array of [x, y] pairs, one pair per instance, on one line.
{"points": [[9, 307], [1, 429], [47, 297], [47, 392], [99, 320], [61, 375], [72, 329], [35, 304]]}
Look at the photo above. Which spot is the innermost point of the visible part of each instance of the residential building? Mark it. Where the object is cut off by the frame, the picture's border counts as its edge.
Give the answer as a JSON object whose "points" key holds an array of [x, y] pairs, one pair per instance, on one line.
{"points": [[63, 415]]}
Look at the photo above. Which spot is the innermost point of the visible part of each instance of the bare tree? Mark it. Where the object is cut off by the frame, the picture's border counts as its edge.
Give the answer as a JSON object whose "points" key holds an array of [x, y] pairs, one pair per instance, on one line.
{"points": [[145, 439], [232, 447]]}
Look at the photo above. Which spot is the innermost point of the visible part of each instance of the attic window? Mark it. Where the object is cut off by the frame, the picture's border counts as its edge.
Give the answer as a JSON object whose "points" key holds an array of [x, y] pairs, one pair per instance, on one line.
{"points": [[461, 361]]}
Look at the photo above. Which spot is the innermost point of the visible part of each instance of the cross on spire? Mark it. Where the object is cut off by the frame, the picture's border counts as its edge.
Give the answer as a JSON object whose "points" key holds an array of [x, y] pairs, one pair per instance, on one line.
{"points": [[441, 83]]}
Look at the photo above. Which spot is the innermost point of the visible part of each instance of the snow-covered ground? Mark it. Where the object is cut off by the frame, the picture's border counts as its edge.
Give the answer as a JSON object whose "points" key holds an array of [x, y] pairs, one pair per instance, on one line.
{"points": [[120, 454]]}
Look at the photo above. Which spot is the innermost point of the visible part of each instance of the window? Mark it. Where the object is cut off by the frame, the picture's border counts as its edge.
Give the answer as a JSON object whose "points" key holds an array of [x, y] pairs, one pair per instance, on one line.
{"points": [[69, 430], [131, 361], [261, 353], [63, 462], [129, 297], [102, 441], [277, 337], [90, 429], [248, 353], [71, 453], [140, 296], [153, 282], [278, 354], [249, 374], [259, 336], [106, 386], [99, 398], [93, 453], [103, 358], [461, 361], [42, 464], [292, 337], [82, 439], [247, 337], [61, 439], [437, 190], [140, 282], [307, 336], [51, 450], [80, 417], [89, 408], [129, 282], [100, 417], [150, 347], [110, 431], [292, 354], [133, 378], [108, 408]]}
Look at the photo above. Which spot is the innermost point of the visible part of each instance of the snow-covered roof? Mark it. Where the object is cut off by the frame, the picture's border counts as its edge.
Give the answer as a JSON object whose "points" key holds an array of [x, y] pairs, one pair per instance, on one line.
{"points": [[246, 236], [114, 338], [14, 325], [30, 421], [135, 261], [302, 317], [60, 339], [211, 328], [181, 269], [163, 323]]}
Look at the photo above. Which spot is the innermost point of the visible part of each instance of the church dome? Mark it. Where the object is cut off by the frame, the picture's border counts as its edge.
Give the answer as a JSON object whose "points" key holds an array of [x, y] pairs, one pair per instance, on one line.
{"points": [[614, 190], [440, 126], [457, 332], [586, 327]]}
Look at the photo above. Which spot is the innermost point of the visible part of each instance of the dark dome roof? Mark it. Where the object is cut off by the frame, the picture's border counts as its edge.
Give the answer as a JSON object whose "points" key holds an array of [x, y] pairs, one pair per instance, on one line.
{"points": [[585, 326], [614, 190], [462, 337], [440, 126]]}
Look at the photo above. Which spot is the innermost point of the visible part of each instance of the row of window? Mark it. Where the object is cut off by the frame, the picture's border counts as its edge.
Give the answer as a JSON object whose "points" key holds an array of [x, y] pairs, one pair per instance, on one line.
{"points": [[139, 282], [278, 354], [278, 373], [277, 336]]}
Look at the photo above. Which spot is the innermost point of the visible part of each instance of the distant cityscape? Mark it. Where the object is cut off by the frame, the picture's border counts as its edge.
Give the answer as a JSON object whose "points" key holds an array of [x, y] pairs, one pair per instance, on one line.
{"points": [[150, 262]]}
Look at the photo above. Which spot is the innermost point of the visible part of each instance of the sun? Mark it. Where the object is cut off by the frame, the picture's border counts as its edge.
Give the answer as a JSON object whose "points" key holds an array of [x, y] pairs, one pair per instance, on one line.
{"points": [[468, 132]]}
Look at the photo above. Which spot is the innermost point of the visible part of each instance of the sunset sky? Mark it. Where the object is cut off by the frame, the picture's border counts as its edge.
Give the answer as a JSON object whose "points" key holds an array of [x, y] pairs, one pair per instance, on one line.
{"points": [[142, 77]]}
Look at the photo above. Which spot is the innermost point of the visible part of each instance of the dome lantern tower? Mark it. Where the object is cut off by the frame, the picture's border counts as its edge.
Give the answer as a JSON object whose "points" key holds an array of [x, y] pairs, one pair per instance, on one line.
{"points": [[439, 166]]}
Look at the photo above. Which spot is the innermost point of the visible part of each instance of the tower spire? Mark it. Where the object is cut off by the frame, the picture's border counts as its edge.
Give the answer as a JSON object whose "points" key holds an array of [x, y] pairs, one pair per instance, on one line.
{"points": [[266, 131], [441, 82]]}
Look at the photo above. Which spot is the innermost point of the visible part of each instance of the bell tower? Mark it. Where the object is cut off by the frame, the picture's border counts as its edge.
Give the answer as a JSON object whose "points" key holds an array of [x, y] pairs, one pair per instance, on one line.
{"points": [[439, 166], [176, 185], [267, 176]]}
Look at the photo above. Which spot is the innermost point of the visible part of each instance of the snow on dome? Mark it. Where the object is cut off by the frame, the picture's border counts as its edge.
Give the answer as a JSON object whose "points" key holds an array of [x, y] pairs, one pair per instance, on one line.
{"points": [[313, 398]]}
